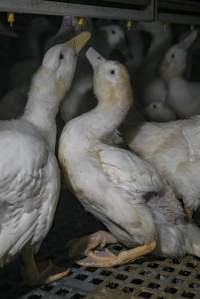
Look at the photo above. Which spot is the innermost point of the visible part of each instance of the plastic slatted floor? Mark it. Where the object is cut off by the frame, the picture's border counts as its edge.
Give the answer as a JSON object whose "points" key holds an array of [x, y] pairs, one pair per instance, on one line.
{"points": [[161, 278], [155, 278]]}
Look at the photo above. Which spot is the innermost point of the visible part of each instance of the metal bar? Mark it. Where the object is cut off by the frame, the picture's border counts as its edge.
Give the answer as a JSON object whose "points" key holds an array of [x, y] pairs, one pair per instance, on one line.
{"points": [[179, 5], [183, 7], [179, 19], [135, 2], [62, 8]]}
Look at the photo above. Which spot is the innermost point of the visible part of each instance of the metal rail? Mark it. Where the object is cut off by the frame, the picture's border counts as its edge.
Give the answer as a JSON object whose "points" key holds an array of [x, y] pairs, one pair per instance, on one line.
{"points": [[178, 11], [155, 10], [179, 18], [63, 8]]}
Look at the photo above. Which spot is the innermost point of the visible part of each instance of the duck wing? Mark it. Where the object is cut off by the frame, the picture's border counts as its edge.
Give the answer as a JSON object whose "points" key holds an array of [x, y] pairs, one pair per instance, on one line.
{"points": [[129, 172], [29, 188]]}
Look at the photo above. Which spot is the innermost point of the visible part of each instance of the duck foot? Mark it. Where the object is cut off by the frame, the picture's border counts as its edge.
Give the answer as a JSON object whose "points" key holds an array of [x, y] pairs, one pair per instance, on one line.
{"points": [[98, 258], [42, 273], [85, 244]]}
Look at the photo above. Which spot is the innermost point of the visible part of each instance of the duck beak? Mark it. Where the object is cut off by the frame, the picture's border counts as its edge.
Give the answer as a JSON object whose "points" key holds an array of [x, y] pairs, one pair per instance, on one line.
{"points": [[94, 58], [79, 41]]}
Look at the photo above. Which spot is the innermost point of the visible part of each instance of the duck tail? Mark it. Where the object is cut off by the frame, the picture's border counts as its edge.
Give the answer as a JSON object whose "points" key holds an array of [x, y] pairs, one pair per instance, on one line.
{"points": [[178, 240]]}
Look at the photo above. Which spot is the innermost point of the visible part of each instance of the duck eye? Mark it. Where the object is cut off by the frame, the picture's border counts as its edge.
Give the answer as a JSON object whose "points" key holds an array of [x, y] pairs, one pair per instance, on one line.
{"points": [[61, 56], [173, 55], [112, 72], [99, 58], [154, 106], [113, 31]]}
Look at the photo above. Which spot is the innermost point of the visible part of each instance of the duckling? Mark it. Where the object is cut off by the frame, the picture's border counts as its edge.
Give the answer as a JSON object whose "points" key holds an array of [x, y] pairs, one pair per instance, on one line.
{"points": [[183, 96], [80, 99], [116, 186], [159, 112], [29, 172]]}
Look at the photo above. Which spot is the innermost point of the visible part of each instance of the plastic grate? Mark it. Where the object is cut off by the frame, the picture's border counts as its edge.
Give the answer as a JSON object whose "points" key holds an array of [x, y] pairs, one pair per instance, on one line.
{"points": [[149, 277], [139, 280]]}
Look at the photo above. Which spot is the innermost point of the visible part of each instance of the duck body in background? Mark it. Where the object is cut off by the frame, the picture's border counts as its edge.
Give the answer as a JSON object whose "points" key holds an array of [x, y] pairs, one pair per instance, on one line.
{"points": [[183, 96], [116, 186], [80, 99], [161, 38], [29, 172], [173, 149], [135, 59], [159, 112], [152, 88]]}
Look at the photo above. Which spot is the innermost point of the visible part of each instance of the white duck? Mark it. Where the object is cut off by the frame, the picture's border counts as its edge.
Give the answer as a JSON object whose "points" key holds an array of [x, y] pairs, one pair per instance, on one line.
{"points": [[13, 102], [161, 89], [115, 185], [159, 112], [29, 172], [174, 150], [151, 85], [183, 96], [161, 35], [80, 99]]}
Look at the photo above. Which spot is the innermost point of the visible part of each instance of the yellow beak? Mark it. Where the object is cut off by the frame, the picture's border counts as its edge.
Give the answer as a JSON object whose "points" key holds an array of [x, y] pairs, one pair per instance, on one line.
{"points": [[79, 41]]}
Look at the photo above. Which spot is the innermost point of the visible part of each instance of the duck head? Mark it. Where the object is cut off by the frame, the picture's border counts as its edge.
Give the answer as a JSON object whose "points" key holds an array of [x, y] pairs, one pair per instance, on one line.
{"points": [[112, 85], [159, 112], [115, 44], [174, 63], [60, 60]]}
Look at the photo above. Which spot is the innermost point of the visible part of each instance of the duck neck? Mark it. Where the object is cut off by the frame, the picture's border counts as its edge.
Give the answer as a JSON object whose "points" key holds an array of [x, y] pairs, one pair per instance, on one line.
{"points": [[154, 56], [159, 43], [104, 119], [43, 104]]}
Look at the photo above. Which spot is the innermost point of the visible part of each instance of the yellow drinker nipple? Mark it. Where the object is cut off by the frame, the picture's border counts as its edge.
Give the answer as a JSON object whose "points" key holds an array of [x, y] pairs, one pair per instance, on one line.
{"points": [[164, 25], [11, 18], [129, 24], [81, 21]]}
